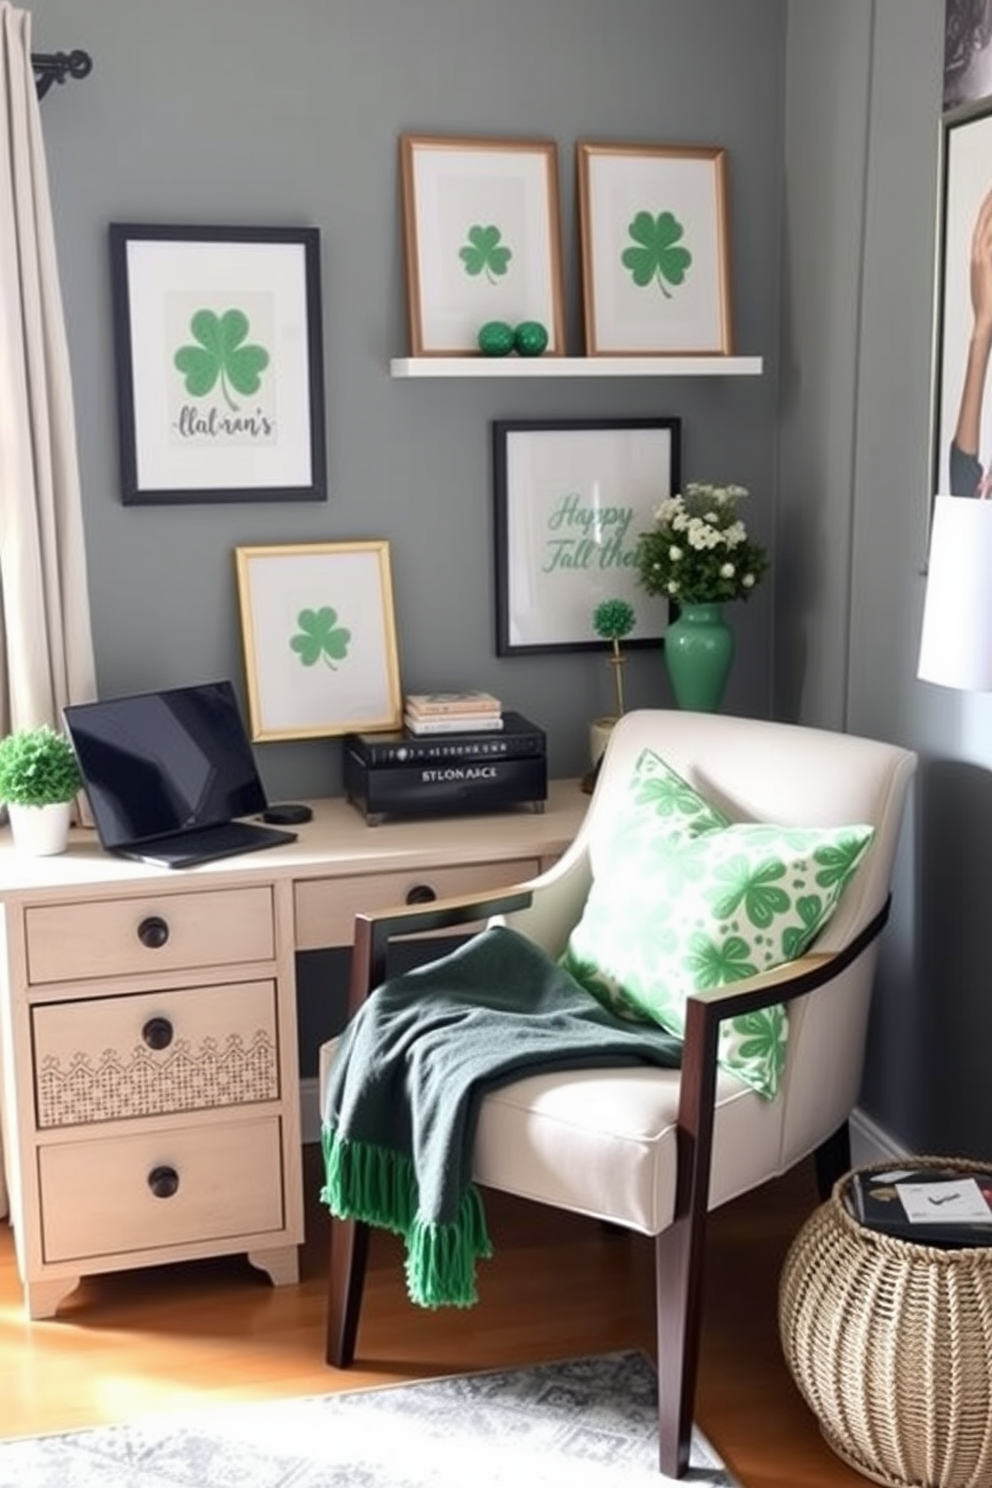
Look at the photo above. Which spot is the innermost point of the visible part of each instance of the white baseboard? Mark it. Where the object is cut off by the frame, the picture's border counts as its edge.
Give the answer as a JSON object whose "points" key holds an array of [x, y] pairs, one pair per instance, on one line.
{"points": [[310, 1109], [869, 1142]]}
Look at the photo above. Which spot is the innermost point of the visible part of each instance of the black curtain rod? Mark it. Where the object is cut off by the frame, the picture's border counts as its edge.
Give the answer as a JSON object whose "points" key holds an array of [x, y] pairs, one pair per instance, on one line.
{"points": [[55, 67]]}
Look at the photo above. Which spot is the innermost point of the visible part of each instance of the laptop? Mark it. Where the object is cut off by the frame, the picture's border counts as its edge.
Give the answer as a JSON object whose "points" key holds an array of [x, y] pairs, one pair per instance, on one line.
{"points": [[168, 775]]}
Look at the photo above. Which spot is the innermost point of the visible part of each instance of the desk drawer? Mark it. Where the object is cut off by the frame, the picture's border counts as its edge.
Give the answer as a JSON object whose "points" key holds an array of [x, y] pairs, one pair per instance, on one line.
{"points": [[326, 907], [147, 1054], [97, 1198], [119, 937]]}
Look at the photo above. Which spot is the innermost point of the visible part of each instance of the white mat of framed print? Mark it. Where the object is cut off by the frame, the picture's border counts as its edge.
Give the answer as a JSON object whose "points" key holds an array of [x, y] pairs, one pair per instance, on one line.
{"points": [[571, 498], [219, 359], [655, 249], [319, 637], [483, 240], [961, 433]]}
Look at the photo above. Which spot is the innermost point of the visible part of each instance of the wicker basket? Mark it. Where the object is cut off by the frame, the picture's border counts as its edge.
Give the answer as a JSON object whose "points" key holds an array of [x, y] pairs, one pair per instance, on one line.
{"points": [[890, 1345]]}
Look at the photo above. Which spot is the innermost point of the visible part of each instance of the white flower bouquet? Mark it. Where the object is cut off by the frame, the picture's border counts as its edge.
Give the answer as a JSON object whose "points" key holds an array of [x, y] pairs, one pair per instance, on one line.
{"points": [[698, 551]]}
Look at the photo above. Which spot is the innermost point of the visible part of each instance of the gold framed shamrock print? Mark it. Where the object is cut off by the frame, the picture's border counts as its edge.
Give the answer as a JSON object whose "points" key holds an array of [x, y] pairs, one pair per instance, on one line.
{"points": [[219, 361], [319, 636], [655, 249], [482, 239]]}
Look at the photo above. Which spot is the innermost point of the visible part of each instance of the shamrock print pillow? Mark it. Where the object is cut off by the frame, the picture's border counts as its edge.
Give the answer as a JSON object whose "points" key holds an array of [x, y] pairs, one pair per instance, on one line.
{"points": [[684, 900]]}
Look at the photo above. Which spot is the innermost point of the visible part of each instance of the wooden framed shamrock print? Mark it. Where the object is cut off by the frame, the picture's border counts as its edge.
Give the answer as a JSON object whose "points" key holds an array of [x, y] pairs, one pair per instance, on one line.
{"points": [[482, 238], [655, 249], [218, 350], [319, 635]]}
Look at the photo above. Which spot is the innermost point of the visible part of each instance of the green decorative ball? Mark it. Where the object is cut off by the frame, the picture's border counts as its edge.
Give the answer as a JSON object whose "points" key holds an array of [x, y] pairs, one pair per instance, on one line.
{"points": [[531, 338], [496, 338]]}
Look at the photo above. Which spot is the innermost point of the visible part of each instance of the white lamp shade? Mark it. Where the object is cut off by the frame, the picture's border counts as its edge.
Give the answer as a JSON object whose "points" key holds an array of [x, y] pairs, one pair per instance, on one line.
{"points": [[956, 642]]}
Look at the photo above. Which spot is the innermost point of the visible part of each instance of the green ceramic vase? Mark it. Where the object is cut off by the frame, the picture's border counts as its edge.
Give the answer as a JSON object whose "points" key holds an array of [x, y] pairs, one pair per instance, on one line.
{"points": [[699, 651]]}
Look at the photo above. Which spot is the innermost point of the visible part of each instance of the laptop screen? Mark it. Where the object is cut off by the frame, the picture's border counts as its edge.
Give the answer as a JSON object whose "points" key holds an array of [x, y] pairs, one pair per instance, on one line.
{"points": [[158, 763]]}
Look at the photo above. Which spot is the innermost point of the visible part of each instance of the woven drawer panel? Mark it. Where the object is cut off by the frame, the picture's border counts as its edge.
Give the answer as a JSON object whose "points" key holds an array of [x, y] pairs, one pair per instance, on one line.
{"points": [[93, 1064]]}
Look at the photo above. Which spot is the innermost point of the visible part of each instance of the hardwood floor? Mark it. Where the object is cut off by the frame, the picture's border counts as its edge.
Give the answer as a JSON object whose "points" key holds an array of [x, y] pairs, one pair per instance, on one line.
{"points": [[164, 1339]]}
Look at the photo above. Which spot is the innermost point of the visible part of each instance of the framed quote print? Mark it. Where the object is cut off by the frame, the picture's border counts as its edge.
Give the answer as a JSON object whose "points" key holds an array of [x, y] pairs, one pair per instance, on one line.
{"points": [[218, 351], [571, 499]]}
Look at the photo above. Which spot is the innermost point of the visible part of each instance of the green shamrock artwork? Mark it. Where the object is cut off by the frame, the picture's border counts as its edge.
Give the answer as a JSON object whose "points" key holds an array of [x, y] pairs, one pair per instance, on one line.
{"points": [[319, 636], [221, 356], [659, 256], [485, 254]]}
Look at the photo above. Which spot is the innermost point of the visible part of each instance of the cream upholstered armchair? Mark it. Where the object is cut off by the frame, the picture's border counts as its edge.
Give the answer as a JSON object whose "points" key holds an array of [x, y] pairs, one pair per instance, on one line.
{"points": [[652, 1149]]}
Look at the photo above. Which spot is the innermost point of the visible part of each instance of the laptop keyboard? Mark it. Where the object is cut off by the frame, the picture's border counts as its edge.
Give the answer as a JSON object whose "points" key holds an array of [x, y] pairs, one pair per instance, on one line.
{"points": [[204, 843]]}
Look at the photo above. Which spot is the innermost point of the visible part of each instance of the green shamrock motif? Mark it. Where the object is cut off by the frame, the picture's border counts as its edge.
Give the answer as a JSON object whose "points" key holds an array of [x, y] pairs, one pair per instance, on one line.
{"points": [[484, 253], [836, 864], [221, 355], [672, 797], [795, 938], [595, 981], [714, 963], [754, 890], [320, 636], [672, 873], [763, 1036], [658, 256]]}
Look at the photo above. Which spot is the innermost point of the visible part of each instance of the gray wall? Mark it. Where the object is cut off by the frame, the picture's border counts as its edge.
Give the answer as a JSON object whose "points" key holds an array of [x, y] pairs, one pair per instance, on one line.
{"points": [[237, 112], [862, 160], [240, 112]]}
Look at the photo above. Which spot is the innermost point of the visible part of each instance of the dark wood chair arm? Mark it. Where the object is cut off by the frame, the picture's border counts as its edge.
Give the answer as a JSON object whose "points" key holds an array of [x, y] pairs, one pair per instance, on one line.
{"points": [[375, 930], [680, 1248], [704, 1013]]}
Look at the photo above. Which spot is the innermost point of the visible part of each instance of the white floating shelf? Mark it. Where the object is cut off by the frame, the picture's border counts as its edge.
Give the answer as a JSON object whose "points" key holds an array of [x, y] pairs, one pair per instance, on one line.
{"points": [[551, 366]]}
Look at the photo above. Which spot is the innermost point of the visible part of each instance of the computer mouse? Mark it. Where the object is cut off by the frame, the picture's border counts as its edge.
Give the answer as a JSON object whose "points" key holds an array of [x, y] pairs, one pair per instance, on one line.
{"points": [[287, 814]]}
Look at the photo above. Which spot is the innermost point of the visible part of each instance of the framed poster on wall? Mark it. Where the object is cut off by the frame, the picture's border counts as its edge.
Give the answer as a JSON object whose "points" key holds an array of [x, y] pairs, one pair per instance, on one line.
{"points": [[967, 51], [961, 428], [218, 351], [319, 634], [482, 239], [655, 249], [571, 498]]}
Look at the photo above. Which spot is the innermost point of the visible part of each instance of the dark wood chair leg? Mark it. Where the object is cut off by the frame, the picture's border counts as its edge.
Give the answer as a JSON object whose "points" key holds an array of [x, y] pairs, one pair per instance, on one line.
{"points": [[678, 1283], [833, 1159], [345, 1286]]}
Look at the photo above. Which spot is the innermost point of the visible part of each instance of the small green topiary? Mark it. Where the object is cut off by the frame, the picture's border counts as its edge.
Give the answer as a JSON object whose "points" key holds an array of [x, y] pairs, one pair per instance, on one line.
{"points": [[37, 768], [612, 619]]}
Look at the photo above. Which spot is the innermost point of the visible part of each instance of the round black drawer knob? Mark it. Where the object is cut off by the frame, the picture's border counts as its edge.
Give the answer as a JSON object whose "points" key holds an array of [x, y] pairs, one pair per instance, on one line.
{"points": [[421, 894], [163, 1182], [158, 1033], [153, 932]]}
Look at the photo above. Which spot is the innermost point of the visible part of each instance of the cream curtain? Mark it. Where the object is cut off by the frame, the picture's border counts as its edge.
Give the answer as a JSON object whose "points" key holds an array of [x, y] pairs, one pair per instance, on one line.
{"points": [[46, 649]]}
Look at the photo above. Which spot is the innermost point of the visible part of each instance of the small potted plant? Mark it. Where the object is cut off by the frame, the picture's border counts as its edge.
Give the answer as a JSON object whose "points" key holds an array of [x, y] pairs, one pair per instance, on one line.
{"points": [[39, 777]]}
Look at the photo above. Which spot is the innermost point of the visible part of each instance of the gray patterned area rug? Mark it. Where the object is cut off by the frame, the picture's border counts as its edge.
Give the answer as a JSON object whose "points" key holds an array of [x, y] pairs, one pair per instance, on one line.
{"points": [[584, 1423]]}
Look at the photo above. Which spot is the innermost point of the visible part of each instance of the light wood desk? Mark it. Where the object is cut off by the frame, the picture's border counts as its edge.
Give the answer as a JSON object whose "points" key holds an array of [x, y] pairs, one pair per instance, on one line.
{"points": [[148, 1028]]}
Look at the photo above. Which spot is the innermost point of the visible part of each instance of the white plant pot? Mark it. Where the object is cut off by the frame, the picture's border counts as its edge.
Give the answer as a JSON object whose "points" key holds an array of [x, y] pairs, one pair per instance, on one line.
{"points": [[599, 736], [41, 831]]}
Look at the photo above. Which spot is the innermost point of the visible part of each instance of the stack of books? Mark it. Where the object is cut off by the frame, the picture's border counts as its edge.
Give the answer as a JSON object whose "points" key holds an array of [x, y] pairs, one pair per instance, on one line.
{"points": [[946, 1207], [452, 713]]}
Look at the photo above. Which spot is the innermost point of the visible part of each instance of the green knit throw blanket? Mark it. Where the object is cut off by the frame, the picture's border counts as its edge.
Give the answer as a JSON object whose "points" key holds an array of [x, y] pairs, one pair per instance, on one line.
{"points": [[402, 1099]]}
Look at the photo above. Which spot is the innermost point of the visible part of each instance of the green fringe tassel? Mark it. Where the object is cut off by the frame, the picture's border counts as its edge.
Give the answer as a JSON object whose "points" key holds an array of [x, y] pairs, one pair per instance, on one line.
{"points": [[440, 1258], [373, 1184], [378, 1186]]}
